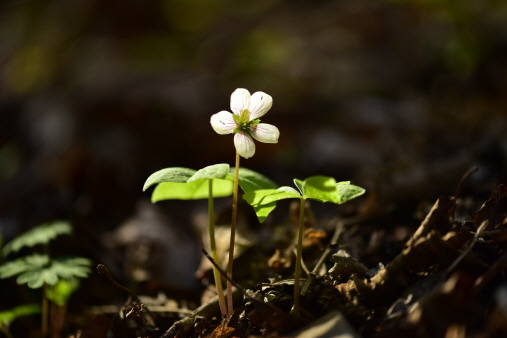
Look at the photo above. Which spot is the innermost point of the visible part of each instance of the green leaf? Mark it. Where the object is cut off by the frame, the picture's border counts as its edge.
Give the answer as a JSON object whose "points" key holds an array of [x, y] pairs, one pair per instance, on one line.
{"points": [[36, 279], [266, 196], [250, 180], [300, 185], [41, 234], [70, 267], [325, 189], [24, 264], [7, 317], [321, 188], [35, 270], [176, 174], [264, 200], [219, 171], [191, 191], [263, 211], [188, 184], [347, 191]]}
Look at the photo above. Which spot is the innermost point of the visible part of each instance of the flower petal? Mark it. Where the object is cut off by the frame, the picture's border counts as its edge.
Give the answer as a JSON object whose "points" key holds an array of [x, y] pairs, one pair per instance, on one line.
{"points": [[223, 123], [265, 133], [244, 144], [240, 100], [260, 103]]}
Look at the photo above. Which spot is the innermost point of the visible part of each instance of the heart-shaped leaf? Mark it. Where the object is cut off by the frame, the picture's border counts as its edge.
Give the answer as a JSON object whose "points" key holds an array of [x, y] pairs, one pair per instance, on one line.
{"points": [[264, 200], [188, 184], [218, 171], [346, 191], [191, 191], [266, 196], [176, 174]]}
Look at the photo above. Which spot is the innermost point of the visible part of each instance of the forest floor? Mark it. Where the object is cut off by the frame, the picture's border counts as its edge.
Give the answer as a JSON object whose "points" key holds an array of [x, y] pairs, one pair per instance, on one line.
{"points": [[442, 278]]}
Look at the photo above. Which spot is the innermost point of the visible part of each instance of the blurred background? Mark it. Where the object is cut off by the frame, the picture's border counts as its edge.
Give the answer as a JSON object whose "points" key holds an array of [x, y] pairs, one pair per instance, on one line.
{"points": [[401, 97]]}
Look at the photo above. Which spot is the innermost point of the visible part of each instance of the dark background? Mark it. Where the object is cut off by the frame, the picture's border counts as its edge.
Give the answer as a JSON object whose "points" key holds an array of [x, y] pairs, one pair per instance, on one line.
{"points": [[401, 97]]}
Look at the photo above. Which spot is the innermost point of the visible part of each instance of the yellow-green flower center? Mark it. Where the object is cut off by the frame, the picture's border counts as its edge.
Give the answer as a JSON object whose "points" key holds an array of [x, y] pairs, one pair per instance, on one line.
{"points": [[243, 121]]}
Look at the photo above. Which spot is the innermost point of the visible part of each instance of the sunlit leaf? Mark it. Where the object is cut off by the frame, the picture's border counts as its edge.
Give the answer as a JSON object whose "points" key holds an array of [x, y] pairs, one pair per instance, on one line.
{"points": [[191, 191], [188, 184], [249, 181], [263, 211], [300, 185], [316, 186], [41, 234], [320, 188], [176, 174], [219, 171], [347, 191], [266, 196], [325, 189], [176, 183], [264, 200]]}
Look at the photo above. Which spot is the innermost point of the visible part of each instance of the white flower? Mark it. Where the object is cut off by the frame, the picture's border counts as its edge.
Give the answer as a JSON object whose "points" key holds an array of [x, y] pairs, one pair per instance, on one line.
{"points": [[244, 121]]}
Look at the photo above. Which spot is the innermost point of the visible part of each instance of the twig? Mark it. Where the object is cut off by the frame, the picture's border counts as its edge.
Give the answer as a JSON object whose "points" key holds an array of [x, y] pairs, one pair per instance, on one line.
{"points": [[468, 249], [222, 272], [465, 176], [101, 268]]}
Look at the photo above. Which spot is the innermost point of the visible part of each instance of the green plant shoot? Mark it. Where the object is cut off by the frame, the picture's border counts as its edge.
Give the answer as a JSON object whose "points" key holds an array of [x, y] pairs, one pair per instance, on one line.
{"points": [[40, 270], [320, 188], [209, 182]]}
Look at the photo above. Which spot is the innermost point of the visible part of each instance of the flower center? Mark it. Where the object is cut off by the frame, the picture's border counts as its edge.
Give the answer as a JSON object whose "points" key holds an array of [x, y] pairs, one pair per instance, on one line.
{"points": [[243, 121]]}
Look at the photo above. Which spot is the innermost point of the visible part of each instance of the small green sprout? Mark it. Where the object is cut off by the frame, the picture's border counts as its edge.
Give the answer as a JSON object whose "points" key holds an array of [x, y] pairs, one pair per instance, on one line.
{"points": [[40, 270], [320, 188]]}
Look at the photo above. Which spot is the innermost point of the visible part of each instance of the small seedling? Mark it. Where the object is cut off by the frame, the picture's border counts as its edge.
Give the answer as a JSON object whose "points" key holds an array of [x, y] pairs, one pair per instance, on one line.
{"points": [[57, 276], [320, 188], [209, 182]]}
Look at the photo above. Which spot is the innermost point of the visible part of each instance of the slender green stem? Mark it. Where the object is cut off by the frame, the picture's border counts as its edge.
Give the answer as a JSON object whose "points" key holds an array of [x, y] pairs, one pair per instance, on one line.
{"points": [[299, 253], [213, 248], [233, 235], [45, 314]]}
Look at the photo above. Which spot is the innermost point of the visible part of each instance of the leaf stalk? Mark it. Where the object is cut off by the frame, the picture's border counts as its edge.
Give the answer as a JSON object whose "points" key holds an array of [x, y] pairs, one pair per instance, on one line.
{"points": [[213, 248]]}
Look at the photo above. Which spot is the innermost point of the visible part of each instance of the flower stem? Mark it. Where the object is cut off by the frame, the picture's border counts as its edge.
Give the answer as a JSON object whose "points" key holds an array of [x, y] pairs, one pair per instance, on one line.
{"points": [[299, 252], [213, 248], [233, 235]]}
